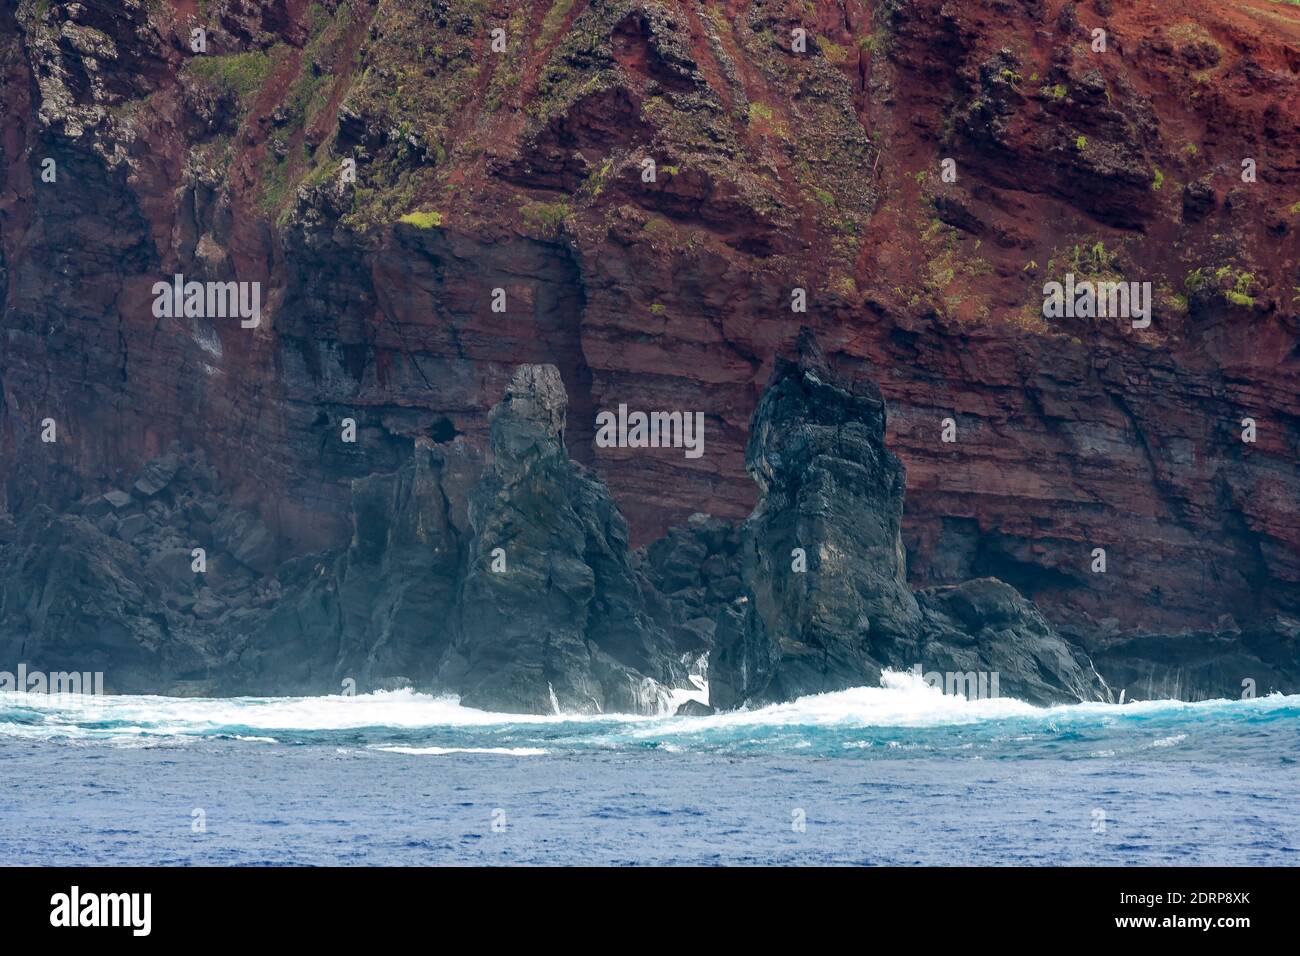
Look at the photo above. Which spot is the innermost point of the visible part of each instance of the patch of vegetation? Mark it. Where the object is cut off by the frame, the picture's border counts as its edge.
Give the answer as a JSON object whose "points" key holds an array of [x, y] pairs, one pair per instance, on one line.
{"points": [[1158, 180], [1081, 143], [845, 287], [319, 174], [418, 68], [951, 266], [831, 151], [240, 74], [762, 115], [1175, 302], [503, 84], [875, 42], [1236, 285], [1090, 260], [546, 220], [1189, 33], [1030, 319], [833, 51], [595, 182], [300, 159], [552, 22], [658, 308], [310, 89], [212, 154], [422, 220], [1057, 92]]}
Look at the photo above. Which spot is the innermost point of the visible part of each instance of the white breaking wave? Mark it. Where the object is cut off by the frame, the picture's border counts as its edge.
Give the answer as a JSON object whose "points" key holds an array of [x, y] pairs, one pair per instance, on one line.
{"points": [[400, 709], [680, 695], [903, 700]]}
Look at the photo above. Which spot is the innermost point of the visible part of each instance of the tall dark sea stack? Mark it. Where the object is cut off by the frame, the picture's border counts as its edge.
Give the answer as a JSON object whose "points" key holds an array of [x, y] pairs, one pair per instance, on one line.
{"points": [[825, 603], [552, 616]]}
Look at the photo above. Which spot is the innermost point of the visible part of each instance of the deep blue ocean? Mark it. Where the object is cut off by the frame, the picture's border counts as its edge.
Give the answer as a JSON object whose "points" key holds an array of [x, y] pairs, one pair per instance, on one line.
{"points": [[894, 775]]}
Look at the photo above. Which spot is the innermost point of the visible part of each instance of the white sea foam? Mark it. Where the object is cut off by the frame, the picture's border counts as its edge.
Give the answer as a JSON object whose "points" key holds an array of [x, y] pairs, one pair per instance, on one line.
{"points": [[904, 700], [402, 709], [681, 695], [441, 751]]}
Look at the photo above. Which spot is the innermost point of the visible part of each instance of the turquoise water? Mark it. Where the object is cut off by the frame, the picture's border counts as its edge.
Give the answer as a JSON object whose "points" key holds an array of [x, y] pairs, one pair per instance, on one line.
{"points": [[898, 774]]}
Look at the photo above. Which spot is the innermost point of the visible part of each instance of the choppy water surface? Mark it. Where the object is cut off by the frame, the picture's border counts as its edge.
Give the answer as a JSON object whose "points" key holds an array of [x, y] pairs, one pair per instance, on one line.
{"points": [[897, 774]]}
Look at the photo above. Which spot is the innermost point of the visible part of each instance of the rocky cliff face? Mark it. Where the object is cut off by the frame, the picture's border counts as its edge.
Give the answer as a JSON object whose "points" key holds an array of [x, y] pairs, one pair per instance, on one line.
{"points": [[510, 584], [522, 169], [380, 612]]}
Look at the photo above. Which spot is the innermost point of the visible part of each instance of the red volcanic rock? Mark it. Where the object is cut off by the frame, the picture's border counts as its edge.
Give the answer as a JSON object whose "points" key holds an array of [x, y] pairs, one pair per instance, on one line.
{"points": [[775, 170]]}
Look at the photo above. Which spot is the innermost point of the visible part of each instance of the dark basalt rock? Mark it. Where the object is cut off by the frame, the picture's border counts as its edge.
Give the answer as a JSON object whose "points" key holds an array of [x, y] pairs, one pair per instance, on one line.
{"points": [[829, 486], [398, 593], [157, 475], [413, 600], [1199, 200], [381, 612], [552, 614], [563, 615], [987, 625], [695, 570], [1227, 662], [73, 598], [693, 708], [111, 587]]}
